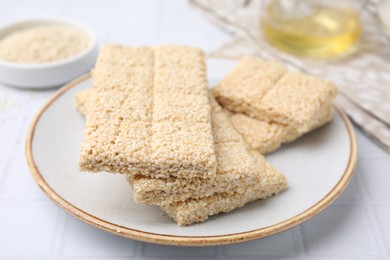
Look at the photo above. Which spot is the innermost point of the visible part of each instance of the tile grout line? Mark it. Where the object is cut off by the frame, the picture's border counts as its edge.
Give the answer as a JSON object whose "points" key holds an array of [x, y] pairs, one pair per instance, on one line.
{"points": [[159, 20], [56, 246], [138, 249], [380, 234], [3, 168], [299, 245], [219, 253], [368, 208], [23, 130]]}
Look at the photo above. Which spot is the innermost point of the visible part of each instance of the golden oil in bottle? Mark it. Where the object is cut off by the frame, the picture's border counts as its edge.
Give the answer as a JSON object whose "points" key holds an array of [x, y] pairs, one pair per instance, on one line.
{"points": [[322, 32]]}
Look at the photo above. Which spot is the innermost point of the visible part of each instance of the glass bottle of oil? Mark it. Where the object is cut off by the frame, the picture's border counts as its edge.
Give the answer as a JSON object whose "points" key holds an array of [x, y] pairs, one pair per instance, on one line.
{"points": [[311, 28]]}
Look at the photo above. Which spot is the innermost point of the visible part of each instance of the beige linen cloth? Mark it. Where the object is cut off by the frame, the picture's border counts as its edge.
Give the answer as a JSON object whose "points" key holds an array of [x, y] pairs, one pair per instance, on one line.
{"points": [[363, 74]]}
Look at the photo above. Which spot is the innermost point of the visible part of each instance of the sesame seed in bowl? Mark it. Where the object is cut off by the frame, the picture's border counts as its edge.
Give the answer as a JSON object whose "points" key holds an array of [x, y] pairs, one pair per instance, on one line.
{"points": [[45, 52]]}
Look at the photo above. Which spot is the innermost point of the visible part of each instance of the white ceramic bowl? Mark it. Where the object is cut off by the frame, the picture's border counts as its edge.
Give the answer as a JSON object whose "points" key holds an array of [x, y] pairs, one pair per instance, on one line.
{"points": [[50, 74]]}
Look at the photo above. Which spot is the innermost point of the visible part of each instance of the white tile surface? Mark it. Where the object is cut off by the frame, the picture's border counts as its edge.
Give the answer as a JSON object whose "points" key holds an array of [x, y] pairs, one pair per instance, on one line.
{"points": [[19, 144], [151, 250], [8, 9], [11, 114], [375, 172], [383, 216], [131, 5], [83, 240], [139, 18], [34, 8], [32, 227], [185, 17], [27, 228], [132, 36], [340, 230], [277, 245], [17, 182], [182, 35], [3, 159], [8, 128]]}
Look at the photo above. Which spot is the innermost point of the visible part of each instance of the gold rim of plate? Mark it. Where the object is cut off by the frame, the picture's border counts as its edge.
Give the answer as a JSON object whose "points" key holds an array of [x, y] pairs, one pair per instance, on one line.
{"points": [[185, 240]]}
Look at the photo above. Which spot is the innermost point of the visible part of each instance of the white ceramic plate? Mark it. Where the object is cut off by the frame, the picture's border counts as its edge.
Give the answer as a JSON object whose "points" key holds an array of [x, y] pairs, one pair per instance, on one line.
{"points": [[318, 166]]}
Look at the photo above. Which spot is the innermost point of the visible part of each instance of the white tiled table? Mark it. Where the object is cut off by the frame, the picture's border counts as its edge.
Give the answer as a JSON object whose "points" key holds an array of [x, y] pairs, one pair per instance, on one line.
{"points": [[356, 226]]}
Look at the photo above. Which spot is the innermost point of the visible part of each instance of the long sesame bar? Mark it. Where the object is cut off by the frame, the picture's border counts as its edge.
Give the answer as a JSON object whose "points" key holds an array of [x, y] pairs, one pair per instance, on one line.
{"points": [[265, 137], [237, 168], [138, 125], [246, 85], [117, 132], [182, 140], [298, 100], [267, 91], [198, 210], [259, 135]]}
